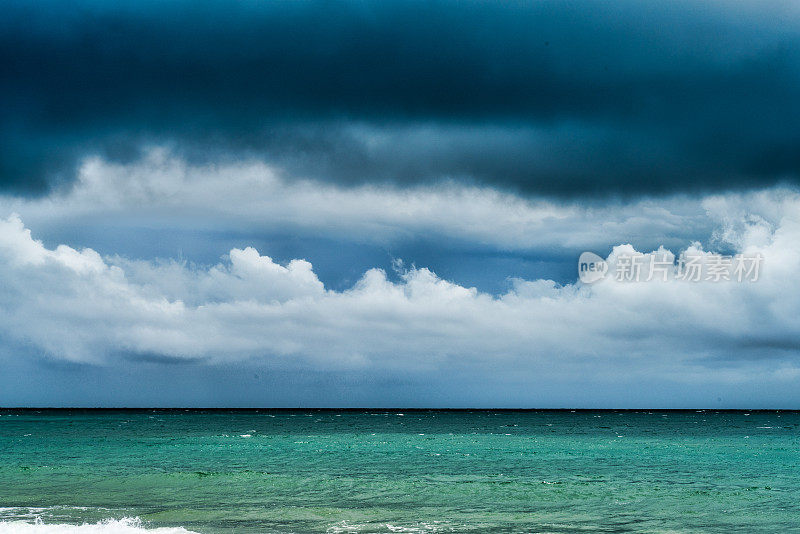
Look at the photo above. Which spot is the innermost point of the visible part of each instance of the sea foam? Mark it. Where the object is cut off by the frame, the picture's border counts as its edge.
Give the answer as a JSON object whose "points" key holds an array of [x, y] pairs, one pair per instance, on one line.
{"points": [[125, 525]]}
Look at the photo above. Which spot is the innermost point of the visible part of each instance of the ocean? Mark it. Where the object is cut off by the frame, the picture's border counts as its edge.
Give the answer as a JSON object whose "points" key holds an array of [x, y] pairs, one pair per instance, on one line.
{"points": [[390, 471]]}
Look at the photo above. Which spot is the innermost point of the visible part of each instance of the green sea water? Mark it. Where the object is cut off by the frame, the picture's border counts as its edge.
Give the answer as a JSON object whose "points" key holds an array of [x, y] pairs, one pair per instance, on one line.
{"points": [[309, 471]]}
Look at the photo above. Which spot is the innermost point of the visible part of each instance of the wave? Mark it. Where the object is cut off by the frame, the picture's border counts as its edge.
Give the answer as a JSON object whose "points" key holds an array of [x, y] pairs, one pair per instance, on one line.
{"points": [[346, 527], [126, 525]]}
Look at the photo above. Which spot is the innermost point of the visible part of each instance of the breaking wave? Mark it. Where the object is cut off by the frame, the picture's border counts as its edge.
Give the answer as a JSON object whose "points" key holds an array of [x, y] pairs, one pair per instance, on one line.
{"points": [[126, 525]]}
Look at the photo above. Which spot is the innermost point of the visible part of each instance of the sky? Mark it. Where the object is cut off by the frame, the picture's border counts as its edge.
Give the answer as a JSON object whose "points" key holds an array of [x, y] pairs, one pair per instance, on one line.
{"points": [[383, 204]]}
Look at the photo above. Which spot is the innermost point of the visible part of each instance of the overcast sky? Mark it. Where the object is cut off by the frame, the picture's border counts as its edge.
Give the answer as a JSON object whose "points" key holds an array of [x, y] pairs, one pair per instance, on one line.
{"points": [[383, 203]]}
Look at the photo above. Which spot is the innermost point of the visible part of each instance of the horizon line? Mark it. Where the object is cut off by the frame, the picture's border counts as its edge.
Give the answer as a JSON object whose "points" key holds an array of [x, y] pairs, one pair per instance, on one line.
{"points": [[407, 409]]}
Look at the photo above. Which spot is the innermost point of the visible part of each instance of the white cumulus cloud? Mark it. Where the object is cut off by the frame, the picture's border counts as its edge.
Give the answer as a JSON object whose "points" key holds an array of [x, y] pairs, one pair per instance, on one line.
{"points": [[75, 305]]}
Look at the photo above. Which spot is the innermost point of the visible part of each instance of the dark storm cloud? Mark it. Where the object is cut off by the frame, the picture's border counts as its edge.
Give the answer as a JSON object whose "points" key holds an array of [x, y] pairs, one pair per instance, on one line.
{"points": [[556, 98]]}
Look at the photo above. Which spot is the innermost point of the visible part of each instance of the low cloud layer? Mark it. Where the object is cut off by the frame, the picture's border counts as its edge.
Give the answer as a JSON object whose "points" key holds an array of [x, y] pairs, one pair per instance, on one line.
{"points": [[76, 306], [567, 100]]}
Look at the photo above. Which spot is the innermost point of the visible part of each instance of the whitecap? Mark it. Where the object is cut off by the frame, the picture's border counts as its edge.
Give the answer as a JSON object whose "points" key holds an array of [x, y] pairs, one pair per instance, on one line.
{"points": [[126, 525]]}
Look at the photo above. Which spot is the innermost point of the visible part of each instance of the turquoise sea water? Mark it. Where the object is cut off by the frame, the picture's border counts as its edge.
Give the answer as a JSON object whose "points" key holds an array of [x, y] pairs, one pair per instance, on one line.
{"points": [[310, 471]]}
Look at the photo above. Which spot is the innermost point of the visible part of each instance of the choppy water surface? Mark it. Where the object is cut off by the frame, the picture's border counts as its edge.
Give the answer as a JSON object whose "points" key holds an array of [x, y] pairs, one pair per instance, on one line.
{"points": [[390, 471]]}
